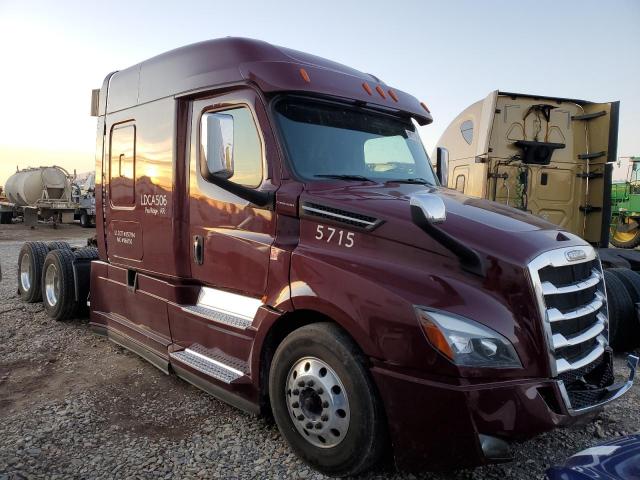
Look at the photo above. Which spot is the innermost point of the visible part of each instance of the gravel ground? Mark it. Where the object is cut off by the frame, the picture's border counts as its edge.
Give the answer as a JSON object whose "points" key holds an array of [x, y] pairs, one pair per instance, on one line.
{"points": [[74, 405]]}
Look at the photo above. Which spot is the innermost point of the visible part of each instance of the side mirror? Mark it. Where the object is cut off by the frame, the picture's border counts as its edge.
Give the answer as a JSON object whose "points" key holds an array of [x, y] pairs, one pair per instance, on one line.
{"points": [[442, 165], [216, 135], [430, 206]]}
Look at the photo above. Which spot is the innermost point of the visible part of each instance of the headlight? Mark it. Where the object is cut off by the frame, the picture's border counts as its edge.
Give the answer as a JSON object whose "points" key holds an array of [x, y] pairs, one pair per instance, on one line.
{"points": [[465, 342]]}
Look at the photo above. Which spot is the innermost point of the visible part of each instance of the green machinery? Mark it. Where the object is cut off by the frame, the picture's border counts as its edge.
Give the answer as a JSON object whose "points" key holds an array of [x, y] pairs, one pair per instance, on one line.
{"points": [[625, 208]]}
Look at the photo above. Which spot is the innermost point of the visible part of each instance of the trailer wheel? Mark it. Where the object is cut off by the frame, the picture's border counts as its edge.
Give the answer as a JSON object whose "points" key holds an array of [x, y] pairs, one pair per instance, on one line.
{"points": [[324, 401], [30, 261], [631, 281], [58, 290], [58, 246], [629, 239], [621, 312], [85, 220], [6, 217]]}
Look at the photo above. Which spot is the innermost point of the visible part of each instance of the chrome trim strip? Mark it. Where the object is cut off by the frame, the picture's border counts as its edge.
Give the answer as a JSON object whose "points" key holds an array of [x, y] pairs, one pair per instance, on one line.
{"points": [[563, 365], [560, 341], [616, 391], [337, 215], [549, 288], [555, 315], [229, 303]]}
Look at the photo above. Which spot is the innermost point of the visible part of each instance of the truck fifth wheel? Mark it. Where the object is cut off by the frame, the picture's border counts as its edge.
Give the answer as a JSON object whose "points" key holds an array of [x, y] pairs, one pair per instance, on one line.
{"points": [[270, 229]]}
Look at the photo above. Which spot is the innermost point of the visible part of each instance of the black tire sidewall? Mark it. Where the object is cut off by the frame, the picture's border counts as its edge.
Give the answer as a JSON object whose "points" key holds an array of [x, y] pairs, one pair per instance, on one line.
{"points": [[37, 252], [621, 311], [361, 445], [66, 306]]}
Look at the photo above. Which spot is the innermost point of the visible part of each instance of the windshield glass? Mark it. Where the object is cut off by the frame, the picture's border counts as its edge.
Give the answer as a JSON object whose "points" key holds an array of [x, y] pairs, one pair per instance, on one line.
{"points": [[329, 140]]}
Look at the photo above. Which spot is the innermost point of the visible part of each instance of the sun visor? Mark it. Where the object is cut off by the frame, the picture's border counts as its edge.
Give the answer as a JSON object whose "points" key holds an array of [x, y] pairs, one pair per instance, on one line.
{"points": [[274, 76]]}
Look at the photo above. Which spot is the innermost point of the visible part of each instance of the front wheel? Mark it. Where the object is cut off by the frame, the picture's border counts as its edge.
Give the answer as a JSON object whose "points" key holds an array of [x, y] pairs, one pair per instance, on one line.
{"points": [[324, 401]]}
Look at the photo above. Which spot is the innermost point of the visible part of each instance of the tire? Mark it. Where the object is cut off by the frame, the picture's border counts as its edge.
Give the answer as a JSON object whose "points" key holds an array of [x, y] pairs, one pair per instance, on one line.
{"points": [[58, 245], [30, 261], [621, 312], [86, 253], [85, 220], [629, 239], [631, 281], [58, 289], [359, 445]]}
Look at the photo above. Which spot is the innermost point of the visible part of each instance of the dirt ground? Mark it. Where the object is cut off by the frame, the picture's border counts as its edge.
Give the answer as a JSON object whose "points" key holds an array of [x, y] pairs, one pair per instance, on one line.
{"points": [[74, 405]]}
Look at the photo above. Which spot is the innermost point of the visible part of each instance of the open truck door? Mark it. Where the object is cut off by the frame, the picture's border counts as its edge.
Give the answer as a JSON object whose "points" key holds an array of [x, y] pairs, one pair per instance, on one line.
{"points": [[549, 156]]}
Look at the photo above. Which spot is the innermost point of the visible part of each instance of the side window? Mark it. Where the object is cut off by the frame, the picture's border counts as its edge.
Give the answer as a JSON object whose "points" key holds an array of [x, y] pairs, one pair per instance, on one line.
{"points": [[460, 181], [230, 143], [122, 164], [466, 128]]}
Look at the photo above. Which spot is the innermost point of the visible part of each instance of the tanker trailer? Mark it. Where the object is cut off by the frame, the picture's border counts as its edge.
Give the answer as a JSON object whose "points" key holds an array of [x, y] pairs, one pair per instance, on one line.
{"points": [[38, 193]]}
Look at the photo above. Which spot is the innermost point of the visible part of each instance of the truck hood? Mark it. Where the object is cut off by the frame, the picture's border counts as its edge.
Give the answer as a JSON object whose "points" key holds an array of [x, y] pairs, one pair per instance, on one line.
{"points": [[490, 228]]}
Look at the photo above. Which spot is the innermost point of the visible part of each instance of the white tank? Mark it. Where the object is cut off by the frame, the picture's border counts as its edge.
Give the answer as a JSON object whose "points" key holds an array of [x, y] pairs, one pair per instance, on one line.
{"points": [[27, 186]]}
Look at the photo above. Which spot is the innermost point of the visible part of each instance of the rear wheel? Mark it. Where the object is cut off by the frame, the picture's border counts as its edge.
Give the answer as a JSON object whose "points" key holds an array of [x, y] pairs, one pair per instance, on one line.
{"points": [[324, 401], [631, 281], [58, 289], [58, 245], [30, 261], [625, 233], [6, 217], [85, 220], [621, 312]]}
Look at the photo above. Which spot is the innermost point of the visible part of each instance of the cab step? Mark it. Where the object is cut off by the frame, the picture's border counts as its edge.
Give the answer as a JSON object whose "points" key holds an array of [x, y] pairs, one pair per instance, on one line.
{"points": [[218, 316], [213, 362]]}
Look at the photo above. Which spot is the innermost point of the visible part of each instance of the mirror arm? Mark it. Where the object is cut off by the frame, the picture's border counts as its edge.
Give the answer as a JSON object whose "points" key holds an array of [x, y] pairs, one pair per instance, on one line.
{"points": [[261, 199], [469, 259]]}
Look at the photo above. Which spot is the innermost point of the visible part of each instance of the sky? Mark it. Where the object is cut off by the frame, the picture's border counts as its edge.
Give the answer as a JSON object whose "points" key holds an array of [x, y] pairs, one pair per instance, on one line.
{"points": [[448, 54]]}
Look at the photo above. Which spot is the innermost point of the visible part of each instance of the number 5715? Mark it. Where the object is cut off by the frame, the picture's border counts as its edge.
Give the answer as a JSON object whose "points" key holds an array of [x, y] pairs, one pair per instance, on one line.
{"points": [[344, 239]]}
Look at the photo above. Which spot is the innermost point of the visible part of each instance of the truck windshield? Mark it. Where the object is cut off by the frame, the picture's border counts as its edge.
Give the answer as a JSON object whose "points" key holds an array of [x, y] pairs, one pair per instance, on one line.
{"points": [[327, 140]]}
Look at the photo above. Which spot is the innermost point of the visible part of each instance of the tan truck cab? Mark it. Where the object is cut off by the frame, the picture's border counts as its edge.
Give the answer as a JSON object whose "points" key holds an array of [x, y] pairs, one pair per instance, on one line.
{"points": [[549, 156]]}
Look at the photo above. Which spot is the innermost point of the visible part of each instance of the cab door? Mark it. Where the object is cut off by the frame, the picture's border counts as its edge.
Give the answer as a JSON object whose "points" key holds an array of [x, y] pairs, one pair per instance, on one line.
{"points": [[230, 238]]}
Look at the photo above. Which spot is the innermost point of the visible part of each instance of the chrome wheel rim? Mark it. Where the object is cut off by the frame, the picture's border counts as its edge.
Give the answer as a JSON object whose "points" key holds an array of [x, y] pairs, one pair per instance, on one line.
{"points": [[317, 402], [52, 285], [25, 272]]}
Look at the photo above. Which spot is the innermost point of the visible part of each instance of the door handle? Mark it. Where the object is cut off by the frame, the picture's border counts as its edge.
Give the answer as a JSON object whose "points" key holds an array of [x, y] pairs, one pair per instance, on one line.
{"points": [[198, 250]]}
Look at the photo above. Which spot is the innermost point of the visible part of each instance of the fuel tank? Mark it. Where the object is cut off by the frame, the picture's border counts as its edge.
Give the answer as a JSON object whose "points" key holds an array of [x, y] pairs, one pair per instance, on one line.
{"points": [[27, 186]]}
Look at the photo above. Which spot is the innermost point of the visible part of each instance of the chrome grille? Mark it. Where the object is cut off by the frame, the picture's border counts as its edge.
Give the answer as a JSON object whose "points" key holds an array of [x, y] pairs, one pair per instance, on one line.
{"points": [[573, 305]]}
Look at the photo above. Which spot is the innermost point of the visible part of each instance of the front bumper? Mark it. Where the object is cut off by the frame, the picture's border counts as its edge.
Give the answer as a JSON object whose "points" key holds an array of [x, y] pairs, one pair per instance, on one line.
{"points": [[435, 425]]}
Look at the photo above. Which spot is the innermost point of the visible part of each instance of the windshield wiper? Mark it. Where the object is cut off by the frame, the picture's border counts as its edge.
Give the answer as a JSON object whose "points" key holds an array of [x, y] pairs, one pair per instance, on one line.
{"points": [[417, 180], [345, 177]]}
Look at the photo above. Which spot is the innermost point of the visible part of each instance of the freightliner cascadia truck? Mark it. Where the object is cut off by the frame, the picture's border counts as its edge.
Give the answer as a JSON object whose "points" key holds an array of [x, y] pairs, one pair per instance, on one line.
{"points": [[270, 229]]}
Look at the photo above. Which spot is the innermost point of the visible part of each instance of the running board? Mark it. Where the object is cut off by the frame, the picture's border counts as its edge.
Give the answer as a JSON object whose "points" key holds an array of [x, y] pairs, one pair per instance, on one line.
{"points": [[217, 316], [213, 364]]}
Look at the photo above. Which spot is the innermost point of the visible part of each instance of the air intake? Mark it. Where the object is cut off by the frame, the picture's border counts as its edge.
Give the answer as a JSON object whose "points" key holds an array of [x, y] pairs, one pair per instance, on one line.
{"points": [[340, 216]]}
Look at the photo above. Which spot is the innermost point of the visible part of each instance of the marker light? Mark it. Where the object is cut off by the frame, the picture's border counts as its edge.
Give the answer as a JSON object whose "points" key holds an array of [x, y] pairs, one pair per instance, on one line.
{"points": [[424, 106], [380, 91], [466, 342], [393, 95], [367, 88], [305, 75]]}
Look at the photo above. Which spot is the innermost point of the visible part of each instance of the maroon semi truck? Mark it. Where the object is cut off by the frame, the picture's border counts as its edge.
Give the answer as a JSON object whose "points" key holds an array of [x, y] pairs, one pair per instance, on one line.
{"points": [[270, 229]]}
